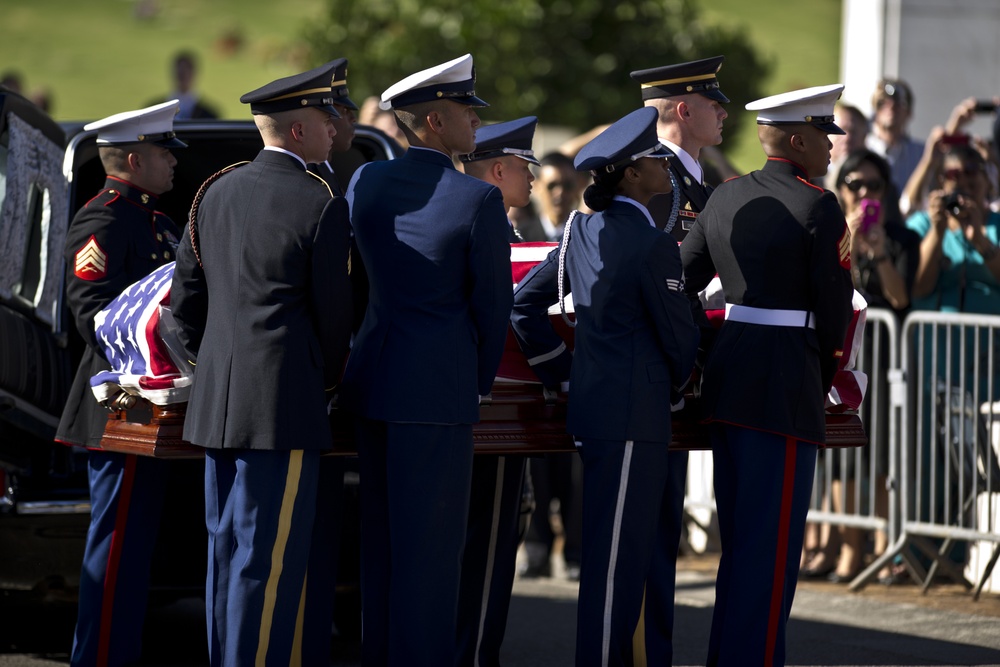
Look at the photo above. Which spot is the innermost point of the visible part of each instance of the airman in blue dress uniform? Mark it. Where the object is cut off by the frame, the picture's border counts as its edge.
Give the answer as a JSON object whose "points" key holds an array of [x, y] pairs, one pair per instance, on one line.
{"points": [[434, 243], [502, 158], [635, 344], [115, 239], [689, 101], [267, 247], [781, 248]]}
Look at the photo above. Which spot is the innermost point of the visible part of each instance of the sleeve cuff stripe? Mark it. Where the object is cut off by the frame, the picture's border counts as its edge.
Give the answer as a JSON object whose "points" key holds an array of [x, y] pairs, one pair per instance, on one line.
{"points": [[542, 358]]}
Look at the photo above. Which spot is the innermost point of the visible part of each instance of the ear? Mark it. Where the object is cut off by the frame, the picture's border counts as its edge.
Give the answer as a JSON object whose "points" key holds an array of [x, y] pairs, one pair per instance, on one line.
{"points": [[434, 122], [296, 130], [797, 142], [497, 170], [631, 174], [682, 110], [135, 161]]}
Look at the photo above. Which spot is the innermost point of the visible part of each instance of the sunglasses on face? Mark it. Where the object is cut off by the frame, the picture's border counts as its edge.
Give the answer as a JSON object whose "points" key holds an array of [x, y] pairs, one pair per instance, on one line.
{"points": [[956, 173], [855, 184]]}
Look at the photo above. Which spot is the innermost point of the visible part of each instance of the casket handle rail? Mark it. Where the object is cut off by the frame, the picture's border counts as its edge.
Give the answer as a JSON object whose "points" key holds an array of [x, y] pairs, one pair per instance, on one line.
{"points": [[517, 418]]}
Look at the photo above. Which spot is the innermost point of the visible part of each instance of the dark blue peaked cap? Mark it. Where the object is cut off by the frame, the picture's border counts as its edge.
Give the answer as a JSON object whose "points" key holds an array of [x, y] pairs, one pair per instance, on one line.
{"points": [[510, 138], [339, 84], [625, 141], [697, 76], [308, 89]]}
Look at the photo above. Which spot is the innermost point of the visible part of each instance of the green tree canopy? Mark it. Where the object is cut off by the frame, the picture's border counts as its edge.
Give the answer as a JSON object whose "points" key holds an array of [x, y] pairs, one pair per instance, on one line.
{"points": [[566, 61]]}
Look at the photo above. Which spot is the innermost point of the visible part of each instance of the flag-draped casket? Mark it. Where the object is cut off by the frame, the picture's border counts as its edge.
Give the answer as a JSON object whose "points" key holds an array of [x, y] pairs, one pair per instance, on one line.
{"points": [[150, 379]]}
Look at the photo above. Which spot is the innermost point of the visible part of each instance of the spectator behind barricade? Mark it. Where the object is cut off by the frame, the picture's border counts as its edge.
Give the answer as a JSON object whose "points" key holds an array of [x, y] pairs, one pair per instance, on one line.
{"points": [[183, 72], [892, 103], [959, 272], [380, 119], [884, 259], [959, 268], [855, 126], [559, 190], [924, 177]]}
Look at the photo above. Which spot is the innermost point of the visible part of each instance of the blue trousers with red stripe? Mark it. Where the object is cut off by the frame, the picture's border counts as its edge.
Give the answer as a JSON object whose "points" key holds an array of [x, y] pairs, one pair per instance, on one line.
{"points": [[259, 511], [126, 502], [624, 550], [763, 483]]}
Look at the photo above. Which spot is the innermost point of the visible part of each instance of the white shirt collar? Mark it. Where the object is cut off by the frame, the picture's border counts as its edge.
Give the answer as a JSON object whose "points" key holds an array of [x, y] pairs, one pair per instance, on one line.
{"points": [[645, 211], [276, 149], [693, 167]]}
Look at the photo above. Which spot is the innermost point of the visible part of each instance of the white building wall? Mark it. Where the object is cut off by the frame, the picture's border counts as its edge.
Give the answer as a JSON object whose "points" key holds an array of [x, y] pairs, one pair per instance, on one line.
{"points": [[946, 50]]}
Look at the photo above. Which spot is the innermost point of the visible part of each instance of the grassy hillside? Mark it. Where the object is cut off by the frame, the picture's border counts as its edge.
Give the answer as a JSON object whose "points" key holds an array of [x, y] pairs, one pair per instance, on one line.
{"points": [[801, 39], [99, 57]]}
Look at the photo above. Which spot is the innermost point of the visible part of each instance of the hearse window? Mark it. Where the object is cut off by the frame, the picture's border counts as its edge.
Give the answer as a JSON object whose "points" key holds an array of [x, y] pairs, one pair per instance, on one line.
{"points": [[38, 219]]}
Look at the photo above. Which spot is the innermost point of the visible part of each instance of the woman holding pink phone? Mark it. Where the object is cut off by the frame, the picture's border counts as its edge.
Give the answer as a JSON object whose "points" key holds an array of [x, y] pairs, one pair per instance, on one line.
{"points": [[884, 259], [884, 253]]}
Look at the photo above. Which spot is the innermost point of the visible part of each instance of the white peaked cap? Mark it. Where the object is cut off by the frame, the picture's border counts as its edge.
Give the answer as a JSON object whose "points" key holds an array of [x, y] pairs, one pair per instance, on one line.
{"points": [[153, 124], [813, 106], [454, 80]]}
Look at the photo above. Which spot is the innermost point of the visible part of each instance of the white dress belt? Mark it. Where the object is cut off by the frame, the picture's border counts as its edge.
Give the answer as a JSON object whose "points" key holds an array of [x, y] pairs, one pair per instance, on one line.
{"points": [[771, 316]]}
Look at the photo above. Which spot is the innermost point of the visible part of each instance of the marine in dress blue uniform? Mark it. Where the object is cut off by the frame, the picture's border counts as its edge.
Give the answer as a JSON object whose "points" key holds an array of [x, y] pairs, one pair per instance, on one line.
{"points": [[503, 153], [635, 345], [781, 248], [688, 99], [267, 247], [434, 243], [115, 239]]}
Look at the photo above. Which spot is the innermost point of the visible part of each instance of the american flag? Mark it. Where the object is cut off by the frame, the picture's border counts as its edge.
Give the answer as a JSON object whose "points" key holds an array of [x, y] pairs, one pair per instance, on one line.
{"points": [[138, 338], [849, 384]]}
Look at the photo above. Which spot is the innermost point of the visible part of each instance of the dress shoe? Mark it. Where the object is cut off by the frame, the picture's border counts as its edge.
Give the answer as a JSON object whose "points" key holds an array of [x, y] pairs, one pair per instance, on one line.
{"points": [[815, 573]]}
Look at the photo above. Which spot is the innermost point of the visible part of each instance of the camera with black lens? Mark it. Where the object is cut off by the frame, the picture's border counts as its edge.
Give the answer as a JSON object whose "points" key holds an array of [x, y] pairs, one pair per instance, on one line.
{"points": [[952, 203]]}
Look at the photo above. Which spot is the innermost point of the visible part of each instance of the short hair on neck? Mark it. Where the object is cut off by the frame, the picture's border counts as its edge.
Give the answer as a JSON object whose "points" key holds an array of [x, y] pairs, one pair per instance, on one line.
{"points": [[274, 126], [414, 116], [479, 168], [114, 159]]}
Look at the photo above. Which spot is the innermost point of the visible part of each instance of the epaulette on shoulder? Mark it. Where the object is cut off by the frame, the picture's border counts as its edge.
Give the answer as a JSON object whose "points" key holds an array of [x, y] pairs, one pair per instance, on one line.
{"points": [[321, 180], [105, 191], [812, 185]]}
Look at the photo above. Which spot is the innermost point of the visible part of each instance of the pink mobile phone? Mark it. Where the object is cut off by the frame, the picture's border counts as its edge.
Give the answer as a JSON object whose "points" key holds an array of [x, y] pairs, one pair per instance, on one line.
{"points": [[869, 214]]}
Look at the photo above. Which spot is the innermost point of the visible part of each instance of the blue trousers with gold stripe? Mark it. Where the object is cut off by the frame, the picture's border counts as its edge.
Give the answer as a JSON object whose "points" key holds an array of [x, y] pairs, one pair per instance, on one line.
{"points": [[624, 526], [259, 510], [763, 482], [126, 501]]}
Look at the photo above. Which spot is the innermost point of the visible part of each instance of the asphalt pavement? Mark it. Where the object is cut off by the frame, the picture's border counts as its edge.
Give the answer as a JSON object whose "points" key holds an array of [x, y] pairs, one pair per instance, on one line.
{"points": [[886, 626]]}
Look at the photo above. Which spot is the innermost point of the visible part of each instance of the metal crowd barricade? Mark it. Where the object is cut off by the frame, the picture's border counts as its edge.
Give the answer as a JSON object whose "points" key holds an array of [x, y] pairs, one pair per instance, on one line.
{"points": [[945, 457], [853, 484]]}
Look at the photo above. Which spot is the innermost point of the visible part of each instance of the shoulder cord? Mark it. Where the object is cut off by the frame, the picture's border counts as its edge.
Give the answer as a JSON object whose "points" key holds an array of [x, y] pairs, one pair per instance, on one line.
{"points": [[562, 268], [193, 215], [675, 206]]}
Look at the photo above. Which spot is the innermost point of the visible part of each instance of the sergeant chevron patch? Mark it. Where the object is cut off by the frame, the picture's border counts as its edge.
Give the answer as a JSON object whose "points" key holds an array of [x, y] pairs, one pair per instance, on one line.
{"points": [[844, 247], [91, 261], [675, 285]]}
